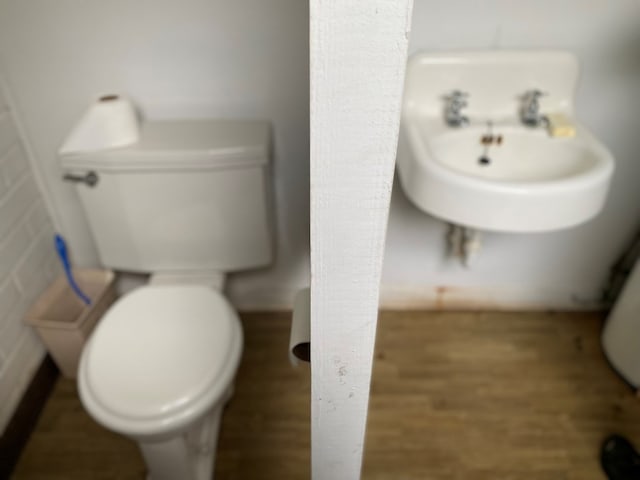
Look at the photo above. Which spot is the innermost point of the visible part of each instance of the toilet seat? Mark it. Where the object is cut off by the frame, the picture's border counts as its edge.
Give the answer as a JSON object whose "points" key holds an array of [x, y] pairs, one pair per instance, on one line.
{"points": [[160, 358]]}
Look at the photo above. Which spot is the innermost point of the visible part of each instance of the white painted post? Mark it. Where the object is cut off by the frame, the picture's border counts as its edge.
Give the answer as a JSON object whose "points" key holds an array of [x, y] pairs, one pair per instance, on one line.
{"points": [[358, 58]]}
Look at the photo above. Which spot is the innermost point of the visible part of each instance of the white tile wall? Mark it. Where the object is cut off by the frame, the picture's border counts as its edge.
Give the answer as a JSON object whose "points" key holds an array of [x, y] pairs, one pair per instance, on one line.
{"points": [[27, 263]]}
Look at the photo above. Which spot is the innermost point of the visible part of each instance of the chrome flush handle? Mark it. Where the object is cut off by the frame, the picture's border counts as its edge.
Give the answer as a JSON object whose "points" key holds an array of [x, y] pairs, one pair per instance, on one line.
{"points": [[90, 178]]}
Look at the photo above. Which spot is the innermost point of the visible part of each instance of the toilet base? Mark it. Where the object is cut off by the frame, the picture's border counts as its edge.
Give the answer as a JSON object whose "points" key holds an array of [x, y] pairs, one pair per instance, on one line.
{"points": [[189, 456]]}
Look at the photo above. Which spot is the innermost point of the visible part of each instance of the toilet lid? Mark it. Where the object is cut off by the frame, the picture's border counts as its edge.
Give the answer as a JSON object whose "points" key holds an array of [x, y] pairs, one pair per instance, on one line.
{"points": [[161, 348]]}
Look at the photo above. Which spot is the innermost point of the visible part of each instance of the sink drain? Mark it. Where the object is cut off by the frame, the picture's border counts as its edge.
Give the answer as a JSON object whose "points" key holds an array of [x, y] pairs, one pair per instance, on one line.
{"points": [[484, 160]]}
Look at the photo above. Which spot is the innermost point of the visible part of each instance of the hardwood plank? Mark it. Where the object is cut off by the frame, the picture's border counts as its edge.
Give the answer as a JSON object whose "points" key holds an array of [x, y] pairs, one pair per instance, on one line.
{"points": [[493, 395], [480, 396]]}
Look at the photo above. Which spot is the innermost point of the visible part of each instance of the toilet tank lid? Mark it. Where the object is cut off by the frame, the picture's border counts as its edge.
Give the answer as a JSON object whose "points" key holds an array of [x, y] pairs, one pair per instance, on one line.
{"points": [[182, 145]]}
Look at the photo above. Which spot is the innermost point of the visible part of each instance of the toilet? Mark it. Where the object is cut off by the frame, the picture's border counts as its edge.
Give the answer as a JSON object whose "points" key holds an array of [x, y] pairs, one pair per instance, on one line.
{"points": [[187, 203]]}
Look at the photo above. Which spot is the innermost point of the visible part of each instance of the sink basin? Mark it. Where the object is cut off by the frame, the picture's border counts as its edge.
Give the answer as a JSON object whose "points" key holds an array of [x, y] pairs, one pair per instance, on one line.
{"points": [[524, 180]]}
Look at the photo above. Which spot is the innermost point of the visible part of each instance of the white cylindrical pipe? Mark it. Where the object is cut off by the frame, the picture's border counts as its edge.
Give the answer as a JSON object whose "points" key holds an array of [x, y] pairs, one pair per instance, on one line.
{"points": [[471, 245], [454, 239], [464, 243], [621, 335]]}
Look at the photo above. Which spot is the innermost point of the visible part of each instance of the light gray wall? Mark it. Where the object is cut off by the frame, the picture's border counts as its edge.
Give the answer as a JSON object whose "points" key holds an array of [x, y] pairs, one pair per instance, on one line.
{"points": [[250, 58], [193, 58], [28, 262], [565, 268]]}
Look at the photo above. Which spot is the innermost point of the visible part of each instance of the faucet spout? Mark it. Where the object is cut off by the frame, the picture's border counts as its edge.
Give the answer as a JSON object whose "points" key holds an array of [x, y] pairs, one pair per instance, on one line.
{"points": [[530, 111], [456, 101]]}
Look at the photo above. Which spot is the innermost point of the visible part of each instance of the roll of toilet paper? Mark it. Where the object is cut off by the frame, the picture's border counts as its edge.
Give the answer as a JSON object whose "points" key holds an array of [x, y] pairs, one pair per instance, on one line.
{"points": [[299, 343], [110, 122]]}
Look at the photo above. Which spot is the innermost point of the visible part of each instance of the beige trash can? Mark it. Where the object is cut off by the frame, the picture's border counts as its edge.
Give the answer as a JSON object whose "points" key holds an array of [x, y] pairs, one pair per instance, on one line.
{"points": [[64, 322]]}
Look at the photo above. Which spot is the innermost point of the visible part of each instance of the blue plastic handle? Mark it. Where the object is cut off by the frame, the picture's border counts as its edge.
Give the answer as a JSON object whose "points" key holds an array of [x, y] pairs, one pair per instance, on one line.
{"points": [[61, 248]]}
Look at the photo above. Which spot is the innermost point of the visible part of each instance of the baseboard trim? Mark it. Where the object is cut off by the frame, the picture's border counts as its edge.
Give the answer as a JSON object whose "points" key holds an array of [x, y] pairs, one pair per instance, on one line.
{"points": [[440, 298], [443, 298], [26, 415]]}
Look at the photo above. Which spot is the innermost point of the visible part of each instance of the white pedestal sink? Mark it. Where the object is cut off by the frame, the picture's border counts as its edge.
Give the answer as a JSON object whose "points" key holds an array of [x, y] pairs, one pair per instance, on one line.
{"points": [[525, 180]]}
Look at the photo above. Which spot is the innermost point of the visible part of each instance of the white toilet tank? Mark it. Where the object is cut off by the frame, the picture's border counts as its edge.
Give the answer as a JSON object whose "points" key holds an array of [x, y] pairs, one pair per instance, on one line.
{"points": [[190, 195]]}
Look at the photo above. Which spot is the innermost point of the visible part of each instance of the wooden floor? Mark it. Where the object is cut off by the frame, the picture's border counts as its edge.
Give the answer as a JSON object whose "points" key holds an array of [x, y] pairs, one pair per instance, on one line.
{"points": [[470, 396]]}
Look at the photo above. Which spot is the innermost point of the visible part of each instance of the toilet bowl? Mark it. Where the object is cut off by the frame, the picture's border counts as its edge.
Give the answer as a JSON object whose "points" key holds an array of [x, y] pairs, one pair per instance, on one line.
{"points": [[187, 203], [159, 369]]}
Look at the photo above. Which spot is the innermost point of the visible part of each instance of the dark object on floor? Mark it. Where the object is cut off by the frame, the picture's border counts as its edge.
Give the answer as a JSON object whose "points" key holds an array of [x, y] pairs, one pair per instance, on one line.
{"points": [[619, 459], [24, 420]]}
